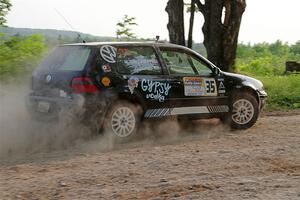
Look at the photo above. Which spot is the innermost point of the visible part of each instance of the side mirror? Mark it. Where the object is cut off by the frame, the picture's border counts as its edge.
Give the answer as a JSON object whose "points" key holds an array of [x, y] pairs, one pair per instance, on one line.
{"points": [[216, 71]]}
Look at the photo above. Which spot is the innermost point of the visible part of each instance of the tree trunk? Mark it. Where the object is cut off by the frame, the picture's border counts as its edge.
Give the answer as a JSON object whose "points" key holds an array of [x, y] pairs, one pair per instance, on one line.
{"points": [[191, 27], [175, 10], [231, 33], [221, 37]]}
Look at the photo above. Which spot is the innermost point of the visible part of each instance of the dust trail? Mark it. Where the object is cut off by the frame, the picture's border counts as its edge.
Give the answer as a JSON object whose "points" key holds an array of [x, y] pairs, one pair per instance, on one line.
{"points": [[21, 135], [170, 131]]}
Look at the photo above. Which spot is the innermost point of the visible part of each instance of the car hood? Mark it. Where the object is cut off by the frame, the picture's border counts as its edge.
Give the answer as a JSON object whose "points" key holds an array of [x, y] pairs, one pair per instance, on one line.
{"points": [[246, 80]]}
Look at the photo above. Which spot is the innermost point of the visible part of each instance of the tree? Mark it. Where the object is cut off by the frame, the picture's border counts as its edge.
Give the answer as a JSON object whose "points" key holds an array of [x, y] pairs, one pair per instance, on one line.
{"points": [[5, 6], [20, 55], [222, 20], [175, 10], [192, 10], [124, 27], [296, 48]]}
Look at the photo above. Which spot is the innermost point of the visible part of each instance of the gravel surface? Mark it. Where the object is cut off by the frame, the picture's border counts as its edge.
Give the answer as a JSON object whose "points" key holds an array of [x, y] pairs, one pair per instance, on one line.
{"points": [[206, 161]]}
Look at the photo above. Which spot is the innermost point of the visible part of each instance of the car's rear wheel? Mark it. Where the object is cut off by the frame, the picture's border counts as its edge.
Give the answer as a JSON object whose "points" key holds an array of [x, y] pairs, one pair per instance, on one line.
{"points": [[244, 111], [123, 121]]}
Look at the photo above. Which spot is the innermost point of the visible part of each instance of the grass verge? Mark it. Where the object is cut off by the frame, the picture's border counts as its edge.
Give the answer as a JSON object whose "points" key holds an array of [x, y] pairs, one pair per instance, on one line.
{"points": [[283, 91]]}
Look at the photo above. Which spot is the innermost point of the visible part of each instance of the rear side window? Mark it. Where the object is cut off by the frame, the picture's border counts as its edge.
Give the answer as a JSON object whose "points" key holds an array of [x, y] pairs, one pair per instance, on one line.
{"points": [[138, 61], [67, 58]]}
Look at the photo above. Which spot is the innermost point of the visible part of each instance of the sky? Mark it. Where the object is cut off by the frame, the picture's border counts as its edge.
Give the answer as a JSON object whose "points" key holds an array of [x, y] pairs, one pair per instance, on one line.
{"points": [[263, 20]]}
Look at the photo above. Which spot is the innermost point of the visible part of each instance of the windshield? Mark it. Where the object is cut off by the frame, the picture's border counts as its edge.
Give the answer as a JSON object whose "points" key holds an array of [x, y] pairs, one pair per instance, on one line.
{"points": [[67, 58]]}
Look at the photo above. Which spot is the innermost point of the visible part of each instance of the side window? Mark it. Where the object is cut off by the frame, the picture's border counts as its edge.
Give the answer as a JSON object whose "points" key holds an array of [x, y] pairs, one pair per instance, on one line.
{"points": [[183, 63], [178, 63], [201, 67], [138, 61]]}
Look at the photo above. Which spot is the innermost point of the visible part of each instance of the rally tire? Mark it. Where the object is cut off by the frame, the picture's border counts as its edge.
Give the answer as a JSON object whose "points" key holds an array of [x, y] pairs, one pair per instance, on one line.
{"points": [[123, 121], [244, 111]]}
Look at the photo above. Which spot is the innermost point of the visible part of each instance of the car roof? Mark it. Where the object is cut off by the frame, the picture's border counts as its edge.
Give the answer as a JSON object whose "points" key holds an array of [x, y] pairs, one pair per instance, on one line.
{"points": [[159, 44], [147, 43]]}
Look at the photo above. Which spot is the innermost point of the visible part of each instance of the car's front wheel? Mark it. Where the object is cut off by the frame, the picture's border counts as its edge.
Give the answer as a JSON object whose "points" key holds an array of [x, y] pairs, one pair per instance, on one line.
{"points": [[122, 121], [244, 111]]}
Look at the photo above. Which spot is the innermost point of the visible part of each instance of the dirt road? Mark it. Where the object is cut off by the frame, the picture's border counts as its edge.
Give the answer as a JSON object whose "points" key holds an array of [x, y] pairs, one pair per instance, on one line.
{"points": [[209, 162]]}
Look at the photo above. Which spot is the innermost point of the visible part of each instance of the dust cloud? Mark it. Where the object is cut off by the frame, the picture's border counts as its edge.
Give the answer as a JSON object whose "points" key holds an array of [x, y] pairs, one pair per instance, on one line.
{"points": [[20, 135], [170, 131]]}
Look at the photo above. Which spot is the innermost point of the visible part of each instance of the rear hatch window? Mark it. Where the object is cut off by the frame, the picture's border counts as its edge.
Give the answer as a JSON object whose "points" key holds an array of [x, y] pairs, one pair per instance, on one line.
{"points": [[67, 58]]}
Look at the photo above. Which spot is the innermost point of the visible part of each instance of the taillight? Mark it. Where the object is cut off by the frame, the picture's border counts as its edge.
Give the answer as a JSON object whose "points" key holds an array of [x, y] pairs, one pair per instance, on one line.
{"points": [[84, 85]]}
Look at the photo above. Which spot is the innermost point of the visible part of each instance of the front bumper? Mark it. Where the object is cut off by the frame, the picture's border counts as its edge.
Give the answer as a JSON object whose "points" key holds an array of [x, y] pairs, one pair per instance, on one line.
{"points": [[263, 96]]}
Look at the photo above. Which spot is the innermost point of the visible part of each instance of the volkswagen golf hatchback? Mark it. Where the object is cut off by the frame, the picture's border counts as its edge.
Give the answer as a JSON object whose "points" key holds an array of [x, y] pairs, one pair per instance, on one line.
{"points": [[117, 85]]}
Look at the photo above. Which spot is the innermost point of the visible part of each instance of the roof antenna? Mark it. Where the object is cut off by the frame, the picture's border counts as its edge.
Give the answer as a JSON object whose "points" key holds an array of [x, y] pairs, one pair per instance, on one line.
{"points": [[157, 38], [73, 29]]}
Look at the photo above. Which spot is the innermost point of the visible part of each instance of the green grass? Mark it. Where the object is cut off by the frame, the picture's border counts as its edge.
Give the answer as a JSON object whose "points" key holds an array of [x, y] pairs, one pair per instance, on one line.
{"points": [[283, 91]]}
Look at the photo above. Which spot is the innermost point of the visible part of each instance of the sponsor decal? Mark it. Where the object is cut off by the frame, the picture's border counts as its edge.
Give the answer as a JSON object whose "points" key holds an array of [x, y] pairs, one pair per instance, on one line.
{"points": [[133, 82], [106, 68], [106, 81], [155, 90], [222, 88], [197, 86], [108, 53], [193, 86]]}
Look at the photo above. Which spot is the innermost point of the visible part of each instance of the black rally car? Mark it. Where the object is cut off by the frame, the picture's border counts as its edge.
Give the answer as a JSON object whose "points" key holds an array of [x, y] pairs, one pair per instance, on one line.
{"points": [[116, 85]]}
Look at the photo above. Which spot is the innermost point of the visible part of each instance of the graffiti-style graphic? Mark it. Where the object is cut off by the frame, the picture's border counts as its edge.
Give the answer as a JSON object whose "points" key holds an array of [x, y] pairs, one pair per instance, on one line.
{"points": [[155, 90], [109, 53], [133, 83], [106, 68]]}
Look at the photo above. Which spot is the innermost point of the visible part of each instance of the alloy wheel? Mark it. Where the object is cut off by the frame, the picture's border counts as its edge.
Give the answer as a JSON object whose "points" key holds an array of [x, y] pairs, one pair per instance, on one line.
{"points": [[242, 112], [123, 122]]}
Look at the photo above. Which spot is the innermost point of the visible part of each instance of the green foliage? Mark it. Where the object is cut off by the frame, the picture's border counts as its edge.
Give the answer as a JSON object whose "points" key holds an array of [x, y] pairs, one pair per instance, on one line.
{"points": [[266, 59], [267, 63], [20, 55], [283, 91], [124, 28], [295, 49], [5, 6]]}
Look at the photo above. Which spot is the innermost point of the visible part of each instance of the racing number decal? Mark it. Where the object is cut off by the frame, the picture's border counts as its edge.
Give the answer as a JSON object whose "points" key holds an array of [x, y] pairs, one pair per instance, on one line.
{"points": [[197, 86], [211, 87]]}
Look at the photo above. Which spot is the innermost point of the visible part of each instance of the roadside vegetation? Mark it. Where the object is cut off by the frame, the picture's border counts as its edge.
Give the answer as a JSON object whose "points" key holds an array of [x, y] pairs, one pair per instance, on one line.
{"points": [[266, 62], [283, 91], [20, 55]]}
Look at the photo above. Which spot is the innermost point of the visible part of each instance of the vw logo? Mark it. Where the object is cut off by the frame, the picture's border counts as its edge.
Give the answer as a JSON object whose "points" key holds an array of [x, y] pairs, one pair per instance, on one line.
{"points": [[108, 53], [48, 78]]}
